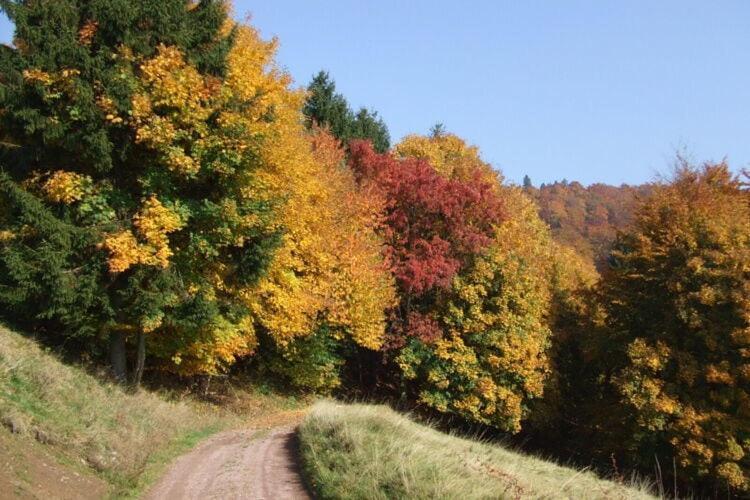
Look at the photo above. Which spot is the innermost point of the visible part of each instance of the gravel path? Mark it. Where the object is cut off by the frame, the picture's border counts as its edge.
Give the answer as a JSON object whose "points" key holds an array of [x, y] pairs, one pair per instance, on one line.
{"points": [[236, 465]]}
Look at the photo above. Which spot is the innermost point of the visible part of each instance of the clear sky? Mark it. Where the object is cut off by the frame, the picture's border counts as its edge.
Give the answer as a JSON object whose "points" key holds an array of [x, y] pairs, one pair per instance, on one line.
{"points": [[588, 90]]}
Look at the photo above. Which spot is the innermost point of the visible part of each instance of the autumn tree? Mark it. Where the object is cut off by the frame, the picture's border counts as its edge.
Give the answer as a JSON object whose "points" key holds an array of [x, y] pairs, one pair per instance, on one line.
{"points": [[432, 224], [678, 300], [472, 262], [449, 155], [328, 286], [133, 201], [490, 359]]}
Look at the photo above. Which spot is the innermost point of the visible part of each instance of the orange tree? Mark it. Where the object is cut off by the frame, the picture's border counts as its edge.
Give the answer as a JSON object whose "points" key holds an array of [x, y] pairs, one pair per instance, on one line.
{"points": [[678, 299]]}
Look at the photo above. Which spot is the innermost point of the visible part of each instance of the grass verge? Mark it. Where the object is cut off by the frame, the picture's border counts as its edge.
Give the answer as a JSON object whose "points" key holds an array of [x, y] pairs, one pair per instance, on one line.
{"points": [[371, 452], [86, 427]]}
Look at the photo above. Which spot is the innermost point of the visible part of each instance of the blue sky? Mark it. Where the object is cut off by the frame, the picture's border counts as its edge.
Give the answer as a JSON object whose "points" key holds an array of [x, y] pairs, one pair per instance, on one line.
{"points": [[588, 90]]}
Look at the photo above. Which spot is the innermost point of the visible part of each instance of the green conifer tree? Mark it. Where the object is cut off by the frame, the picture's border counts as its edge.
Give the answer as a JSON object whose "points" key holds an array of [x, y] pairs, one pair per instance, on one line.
{"points": [[327, 108], [108, 233]]}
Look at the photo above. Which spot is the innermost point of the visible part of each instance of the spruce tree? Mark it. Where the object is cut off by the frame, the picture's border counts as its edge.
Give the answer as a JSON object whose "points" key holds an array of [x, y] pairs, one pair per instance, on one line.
{"points": [[368, 125], [127, 177], [327, 108]]}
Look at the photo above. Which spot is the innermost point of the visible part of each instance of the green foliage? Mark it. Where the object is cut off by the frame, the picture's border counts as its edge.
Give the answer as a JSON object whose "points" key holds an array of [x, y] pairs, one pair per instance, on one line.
{"points": [[368, 125], [326, 107], [312, 362], [47, 269], [130, 160], [330, 109]]}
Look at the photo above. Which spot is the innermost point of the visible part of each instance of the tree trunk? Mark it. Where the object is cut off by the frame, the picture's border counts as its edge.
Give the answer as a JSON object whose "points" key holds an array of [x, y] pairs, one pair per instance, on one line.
{"points": [[140, 360], [117, 355]]}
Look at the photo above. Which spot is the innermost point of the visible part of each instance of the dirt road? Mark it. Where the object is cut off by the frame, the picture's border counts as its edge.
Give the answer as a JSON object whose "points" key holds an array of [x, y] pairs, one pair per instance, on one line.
{"points": [[234, 465]]}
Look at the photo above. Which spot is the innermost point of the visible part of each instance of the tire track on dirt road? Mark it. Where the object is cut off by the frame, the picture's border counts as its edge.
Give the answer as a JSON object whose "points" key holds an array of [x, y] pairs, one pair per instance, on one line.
{"points": [[236, 465]]}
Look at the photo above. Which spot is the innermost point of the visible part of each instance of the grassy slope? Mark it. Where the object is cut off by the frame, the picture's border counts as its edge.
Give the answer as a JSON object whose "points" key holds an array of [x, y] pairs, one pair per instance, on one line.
{"points": [[60, 421], [367, 451]]}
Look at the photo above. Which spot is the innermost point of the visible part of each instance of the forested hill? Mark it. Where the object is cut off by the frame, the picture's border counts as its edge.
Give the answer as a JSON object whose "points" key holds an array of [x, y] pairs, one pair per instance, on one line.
{"points": [[587, 218]]}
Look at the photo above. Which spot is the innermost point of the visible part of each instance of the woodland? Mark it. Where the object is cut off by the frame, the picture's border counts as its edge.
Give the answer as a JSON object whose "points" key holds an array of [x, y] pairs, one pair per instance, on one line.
{"points": [[173, 206]]}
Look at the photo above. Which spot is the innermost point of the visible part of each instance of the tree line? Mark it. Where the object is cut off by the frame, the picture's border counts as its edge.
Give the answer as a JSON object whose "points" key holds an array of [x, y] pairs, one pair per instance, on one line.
{"points": [[170, 202]]}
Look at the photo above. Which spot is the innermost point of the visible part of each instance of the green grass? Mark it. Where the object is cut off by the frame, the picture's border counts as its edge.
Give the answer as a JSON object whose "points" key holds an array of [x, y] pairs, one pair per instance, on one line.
{"points": [[126, 438], [371, 452]]}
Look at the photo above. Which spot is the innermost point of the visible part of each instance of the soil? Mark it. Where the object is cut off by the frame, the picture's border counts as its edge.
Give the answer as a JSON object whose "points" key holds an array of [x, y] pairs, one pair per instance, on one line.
{"points": [[236, 465], [29, 470]]}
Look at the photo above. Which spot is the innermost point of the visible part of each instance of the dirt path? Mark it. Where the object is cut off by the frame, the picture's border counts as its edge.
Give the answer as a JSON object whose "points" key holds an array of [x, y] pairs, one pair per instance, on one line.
{"points": [[234, 465]]}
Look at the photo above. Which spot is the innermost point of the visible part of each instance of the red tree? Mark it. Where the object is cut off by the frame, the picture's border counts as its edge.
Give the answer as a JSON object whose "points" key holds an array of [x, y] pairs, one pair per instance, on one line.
{"points": [[432, 225]]}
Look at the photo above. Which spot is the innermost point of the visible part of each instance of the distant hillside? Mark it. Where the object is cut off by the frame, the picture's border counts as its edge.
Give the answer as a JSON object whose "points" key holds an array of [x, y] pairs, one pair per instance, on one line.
{"points": [[587, 218]]}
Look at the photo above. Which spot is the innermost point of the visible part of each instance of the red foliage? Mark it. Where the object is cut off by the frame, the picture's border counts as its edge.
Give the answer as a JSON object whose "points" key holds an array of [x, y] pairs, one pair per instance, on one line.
{"points": [[432, 224], [425, 328]]}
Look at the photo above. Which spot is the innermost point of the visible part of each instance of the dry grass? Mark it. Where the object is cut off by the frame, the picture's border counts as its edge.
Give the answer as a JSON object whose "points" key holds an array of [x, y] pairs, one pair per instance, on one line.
{"points": [[127, 438], [371, 452]]}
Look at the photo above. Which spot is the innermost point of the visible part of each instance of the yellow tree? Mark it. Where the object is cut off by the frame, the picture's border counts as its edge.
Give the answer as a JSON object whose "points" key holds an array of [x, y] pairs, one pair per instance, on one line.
{"points": [[449, 155], [328, 284]]}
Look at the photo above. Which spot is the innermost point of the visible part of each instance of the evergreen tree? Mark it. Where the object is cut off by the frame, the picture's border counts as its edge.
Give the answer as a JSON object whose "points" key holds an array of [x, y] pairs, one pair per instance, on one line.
{"points": [[329, 109], [367, 125], [129, 159], [527, 182], [437, 130]]}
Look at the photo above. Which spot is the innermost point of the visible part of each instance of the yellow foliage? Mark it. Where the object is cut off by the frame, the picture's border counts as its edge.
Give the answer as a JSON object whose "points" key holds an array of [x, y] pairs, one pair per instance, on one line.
{"points": [[153, 223], [330, 265], [217, 348], [124, 251], [65, 187], [172, 106], [449, 155]]}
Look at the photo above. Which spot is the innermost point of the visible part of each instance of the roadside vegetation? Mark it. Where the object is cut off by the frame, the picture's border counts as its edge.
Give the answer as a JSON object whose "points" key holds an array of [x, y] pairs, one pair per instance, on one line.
{"points": [[82, 426], [371, 452]]}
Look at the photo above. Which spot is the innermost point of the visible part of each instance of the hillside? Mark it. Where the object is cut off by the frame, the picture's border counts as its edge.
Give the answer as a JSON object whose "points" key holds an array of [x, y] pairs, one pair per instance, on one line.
{"points": [[587, 218], [68, 434], [367, 451]]}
